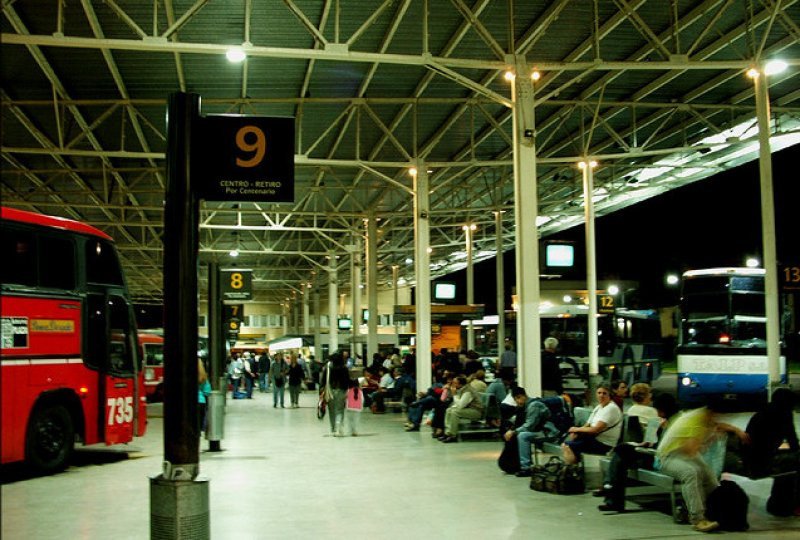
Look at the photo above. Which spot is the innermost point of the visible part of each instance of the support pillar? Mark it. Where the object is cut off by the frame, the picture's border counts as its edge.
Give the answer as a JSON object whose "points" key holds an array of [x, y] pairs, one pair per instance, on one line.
{"points": [[333, 301], [422, 270], [526, 208], [372, 288]]}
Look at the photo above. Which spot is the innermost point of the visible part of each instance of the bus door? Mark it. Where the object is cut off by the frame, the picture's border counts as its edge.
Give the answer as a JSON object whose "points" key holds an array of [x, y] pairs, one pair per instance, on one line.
{"points": [[112, 348]]}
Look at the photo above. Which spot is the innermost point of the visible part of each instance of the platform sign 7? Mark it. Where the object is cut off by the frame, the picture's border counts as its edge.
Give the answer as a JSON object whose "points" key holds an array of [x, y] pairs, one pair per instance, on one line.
{"points": [[244, 158]]}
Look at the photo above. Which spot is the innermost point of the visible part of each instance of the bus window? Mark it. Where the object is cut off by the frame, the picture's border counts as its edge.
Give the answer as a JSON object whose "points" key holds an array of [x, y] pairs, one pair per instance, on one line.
{"points": [[56, 263], [154, 354], [120, 354], [18, 253], [748, 304], [102, 265]]}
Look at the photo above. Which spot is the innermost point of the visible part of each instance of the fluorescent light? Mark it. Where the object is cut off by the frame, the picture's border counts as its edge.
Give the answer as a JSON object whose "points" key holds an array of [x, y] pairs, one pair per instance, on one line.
{"points": [[235, 55], [773, 67]]}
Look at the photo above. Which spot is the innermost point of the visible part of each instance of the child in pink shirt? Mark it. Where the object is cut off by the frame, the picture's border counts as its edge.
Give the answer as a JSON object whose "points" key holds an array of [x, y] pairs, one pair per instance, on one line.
{"points": [[354, 404]]}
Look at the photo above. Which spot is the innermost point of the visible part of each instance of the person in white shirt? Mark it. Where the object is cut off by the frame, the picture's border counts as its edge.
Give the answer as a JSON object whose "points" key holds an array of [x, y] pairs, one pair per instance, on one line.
{"points": [[466, 404], [600, 433], [642, 404]]}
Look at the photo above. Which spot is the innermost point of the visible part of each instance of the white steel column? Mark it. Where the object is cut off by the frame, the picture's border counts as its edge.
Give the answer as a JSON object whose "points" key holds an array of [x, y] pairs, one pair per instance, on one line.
{"points": [[591, 273], [306, 294], [422, 270], [501, 293], [395, 300], [333, 304], [768, 231], [285, 311], [317, 332], [526, 208], [295, 315], [356, 346], [372, 288], [469, 229]]}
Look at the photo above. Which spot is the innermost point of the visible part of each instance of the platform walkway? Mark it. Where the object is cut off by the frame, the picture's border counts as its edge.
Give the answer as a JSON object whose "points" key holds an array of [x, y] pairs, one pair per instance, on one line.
{"points": [[282, 476]]}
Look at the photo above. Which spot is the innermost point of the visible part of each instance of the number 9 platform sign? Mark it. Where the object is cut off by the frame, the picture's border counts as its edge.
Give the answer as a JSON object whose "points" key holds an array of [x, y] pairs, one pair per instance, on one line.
{"points": [[244, 158]]}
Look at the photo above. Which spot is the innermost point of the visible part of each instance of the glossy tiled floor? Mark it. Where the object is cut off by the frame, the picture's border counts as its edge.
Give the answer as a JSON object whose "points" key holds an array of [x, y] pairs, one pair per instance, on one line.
{"points": [[282, 476]]}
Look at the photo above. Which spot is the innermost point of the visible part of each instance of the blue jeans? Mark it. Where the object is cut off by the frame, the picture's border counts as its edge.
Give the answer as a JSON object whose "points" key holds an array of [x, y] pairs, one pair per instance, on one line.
{"points": [[263, 382], [525, 439], [417, 409], [248, 386], [276, 392]]}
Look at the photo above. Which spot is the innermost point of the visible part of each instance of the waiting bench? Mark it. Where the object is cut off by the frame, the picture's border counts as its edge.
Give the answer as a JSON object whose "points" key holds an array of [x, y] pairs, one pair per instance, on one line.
{"points": [[491, 411]]}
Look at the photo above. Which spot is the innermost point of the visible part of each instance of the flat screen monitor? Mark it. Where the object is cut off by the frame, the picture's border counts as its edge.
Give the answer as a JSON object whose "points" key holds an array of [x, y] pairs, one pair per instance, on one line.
{"points": [[345, 324], [444, 291], [560, 255]]}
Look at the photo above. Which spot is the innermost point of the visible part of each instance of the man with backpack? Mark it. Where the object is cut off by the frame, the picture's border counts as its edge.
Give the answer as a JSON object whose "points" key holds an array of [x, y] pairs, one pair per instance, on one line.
{"points": [[535, 426]]}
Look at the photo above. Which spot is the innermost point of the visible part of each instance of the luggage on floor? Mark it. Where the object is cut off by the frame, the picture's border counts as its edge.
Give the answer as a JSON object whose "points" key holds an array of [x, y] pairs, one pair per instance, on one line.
{"points": [[509, 457], [727, 504]]}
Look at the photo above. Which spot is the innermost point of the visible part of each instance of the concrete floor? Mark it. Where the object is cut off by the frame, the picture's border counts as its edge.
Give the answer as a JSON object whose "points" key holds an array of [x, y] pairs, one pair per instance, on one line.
{"points": [[282, 476]]}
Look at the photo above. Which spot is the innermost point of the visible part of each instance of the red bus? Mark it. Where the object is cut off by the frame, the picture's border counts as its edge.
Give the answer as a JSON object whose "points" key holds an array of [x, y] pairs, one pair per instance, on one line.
{"points": [[71, 368], [151, 349]]}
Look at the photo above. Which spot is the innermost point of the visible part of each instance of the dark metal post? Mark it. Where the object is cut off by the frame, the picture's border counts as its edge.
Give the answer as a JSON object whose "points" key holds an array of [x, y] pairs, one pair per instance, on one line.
{"points": [[179, 501], [181, 221], [215, 408]]}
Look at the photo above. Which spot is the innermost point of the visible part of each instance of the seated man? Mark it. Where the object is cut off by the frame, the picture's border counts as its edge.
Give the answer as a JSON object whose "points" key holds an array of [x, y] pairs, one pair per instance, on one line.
{"points": [[499, 388], [425, 401], [679, 456], [385, 389], [467, 404], [600, 433], [533, 427]]}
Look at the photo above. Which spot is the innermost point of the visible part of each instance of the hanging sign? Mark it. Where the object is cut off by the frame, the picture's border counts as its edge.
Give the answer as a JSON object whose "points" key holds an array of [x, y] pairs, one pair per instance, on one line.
{"points": [[236, 284], [244, 158]]}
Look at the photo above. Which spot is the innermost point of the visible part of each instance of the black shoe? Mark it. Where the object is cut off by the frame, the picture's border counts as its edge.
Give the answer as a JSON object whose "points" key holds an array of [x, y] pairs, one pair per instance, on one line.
{"points": [[523, 473], [610, 508], [599, 493], [450, 439], [412, 428]]}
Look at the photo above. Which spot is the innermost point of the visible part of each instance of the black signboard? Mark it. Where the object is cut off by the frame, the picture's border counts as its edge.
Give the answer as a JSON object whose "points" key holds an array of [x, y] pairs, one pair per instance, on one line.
{"points": [[236, 284], [245, 158], [606, 303], [789, 277]]}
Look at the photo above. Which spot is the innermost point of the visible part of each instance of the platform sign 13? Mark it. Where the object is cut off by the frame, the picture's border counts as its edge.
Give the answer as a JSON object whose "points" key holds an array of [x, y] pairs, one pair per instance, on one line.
{"points": [[244, 158]]}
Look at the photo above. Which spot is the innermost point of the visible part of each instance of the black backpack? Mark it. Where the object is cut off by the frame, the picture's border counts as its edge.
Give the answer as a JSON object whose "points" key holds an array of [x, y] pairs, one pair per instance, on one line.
{"points": [[560, 413], [727, 504]]}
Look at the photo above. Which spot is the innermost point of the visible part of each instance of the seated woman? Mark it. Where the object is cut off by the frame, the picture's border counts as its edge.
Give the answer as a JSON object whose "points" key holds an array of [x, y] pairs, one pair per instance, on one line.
{"points": [[619, 391], [600, 433]]}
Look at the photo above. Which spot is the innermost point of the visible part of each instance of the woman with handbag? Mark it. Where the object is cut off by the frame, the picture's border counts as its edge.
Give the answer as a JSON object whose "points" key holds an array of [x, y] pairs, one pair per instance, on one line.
{"points": [[336, 379], [600, 433]]}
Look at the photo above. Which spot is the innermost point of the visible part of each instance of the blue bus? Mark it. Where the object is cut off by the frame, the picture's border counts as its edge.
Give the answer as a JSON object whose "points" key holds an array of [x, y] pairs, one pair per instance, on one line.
{"points": [[722, 342]]}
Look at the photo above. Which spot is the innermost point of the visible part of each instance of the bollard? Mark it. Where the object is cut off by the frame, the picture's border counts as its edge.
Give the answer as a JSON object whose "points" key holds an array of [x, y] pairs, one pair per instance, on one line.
{"points": [[215, 427]]}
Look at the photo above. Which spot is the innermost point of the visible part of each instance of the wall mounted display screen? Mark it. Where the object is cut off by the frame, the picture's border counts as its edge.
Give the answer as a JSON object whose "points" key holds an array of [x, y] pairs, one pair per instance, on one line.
{"points": [[444, 291], [345, 324], [561, 255]]}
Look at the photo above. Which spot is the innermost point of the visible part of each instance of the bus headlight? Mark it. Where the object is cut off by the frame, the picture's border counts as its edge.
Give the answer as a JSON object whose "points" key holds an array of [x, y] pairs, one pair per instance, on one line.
{"points": [[686, 381]]}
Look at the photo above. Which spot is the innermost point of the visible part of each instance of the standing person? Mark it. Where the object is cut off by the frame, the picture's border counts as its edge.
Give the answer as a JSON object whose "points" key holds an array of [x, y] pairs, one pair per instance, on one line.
{"points": [[354, 404], [335, 380], [263, 372], [248, 375], [235, 370], [552, 384], [277, 377], [508, 360], [295, 375], [679, 456], [203, 391], [774, 449]]}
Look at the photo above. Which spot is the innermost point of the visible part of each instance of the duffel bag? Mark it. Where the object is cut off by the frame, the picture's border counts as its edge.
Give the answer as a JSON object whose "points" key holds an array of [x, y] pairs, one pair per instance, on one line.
{"points": [[571, 480], [545, 477]]}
